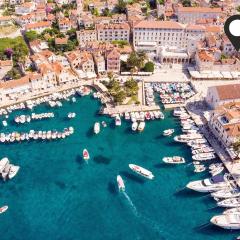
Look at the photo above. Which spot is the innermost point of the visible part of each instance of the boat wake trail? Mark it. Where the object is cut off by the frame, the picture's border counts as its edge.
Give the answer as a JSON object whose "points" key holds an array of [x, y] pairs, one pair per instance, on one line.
{"points": [[131, 203], [145, 220]]}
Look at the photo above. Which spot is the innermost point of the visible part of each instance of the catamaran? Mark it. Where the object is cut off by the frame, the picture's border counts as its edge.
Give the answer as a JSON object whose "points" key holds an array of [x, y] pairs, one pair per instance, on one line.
{"points": [[141, 171], [96, 128], [86, 155], [121, 185], [227, 221]]}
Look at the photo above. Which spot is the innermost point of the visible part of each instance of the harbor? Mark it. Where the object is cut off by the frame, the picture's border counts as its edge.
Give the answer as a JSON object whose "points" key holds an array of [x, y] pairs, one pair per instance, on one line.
{"points": [[56, 168]]}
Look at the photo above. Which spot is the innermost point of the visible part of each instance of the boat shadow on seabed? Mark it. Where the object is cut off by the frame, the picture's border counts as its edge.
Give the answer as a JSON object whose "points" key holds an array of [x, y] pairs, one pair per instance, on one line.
{"points": [[132, 177]]}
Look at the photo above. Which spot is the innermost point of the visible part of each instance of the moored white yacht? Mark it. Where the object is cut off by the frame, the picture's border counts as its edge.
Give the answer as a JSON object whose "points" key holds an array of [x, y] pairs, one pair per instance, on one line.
{"points": [[229, 202], [203, 156], [188, 137], [208, 185], [226, 193], [141, 171], [227, 221]]}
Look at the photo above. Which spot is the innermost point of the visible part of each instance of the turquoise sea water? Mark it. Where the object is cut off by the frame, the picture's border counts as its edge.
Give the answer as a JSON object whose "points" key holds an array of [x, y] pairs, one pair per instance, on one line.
{"points": [[57, 196]]}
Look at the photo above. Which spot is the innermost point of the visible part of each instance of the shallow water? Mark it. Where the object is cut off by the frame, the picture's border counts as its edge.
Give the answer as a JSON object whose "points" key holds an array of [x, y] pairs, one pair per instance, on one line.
{"points": [[57, 196]]}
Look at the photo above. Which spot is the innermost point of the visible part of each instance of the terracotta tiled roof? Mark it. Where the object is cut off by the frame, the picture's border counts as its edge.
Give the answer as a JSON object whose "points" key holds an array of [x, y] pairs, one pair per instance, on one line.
{"points": [[38, 25], [159, 24], [6, 63], [124, 26], [61, 41], [200, 9], [214, 29], [230, 91], [15, 83]]}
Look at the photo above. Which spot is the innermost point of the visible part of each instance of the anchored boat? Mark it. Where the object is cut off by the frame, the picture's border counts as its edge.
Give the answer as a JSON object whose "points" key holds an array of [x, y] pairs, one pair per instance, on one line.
{"points": [[86, 155], [141, 171]]}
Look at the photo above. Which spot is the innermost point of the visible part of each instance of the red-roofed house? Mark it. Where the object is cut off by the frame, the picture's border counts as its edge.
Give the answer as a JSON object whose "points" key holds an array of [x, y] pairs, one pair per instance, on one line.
{"points": [[113, 61]]}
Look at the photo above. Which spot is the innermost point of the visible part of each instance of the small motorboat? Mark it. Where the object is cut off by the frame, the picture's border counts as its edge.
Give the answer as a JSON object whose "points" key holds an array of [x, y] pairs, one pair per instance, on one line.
{"points": [[3, 209], [104, 124], [174, 160], [121, 185], [71, 115], [86, 155], [118, 121], [168, 132], [4, 123], [96, 128], [134, 126], [141, 126], [13, 171], [199, 168]]}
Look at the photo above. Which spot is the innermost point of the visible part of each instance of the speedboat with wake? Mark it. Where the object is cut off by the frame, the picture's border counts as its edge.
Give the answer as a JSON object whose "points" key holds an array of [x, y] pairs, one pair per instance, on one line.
{"points": [[141, 171], [3, 209], [121, 185]]}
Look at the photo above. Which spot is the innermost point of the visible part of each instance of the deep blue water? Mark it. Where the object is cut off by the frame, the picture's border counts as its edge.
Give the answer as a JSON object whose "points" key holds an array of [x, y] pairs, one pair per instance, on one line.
{"points": [[57, 196]]}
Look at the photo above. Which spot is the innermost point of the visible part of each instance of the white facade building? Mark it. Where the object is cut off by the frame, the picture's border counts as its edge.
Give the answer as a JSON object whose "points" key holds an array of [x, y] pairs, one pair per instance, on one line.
{"points": [[148, 35]]}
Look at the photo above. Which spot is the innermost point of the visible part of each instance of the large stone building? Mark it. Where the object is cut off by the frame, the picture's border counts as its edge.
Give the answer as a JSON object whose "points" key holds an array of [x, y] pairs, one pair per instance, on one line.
{"points": [[218, 95], [192, 14], [149, 35], [111, 32], [225, 123]]}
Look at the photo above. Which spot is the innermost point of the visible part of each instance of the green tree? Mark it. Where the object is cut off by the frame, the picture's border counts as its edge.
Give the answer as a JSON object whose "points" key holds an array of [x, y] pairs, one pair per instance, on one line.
{"points": [[20, 52], [236, 146], [120, 96], [149, 67], [131, 87], [186, 3], [31, 35], [161, 2], [238, 8], [121, 6]]}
